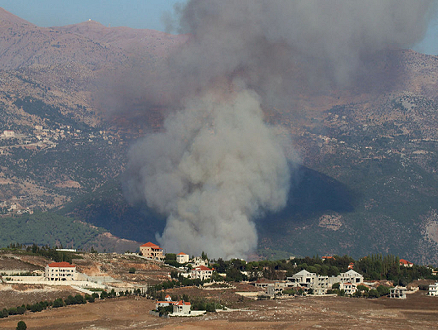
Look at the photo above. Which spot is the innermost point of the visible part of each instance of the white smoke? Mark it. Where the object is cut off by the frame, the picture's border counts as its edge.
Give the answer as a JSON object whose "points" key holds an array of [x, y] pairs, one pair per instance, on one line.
{"points": [[216, 165]]}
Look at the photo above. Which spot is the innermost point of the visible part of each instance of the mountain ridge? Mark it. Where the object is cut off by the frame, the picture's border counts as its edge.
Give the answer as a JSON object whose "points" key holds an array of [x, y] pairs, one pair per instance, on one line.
{"points": [[367, 182]]}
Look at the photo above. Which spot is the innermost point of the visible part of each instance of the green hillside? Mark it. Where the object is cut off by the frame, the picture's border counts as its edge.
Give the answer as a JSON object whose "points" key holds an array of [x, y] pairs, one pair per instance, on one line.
{"points": [[46, 228]]}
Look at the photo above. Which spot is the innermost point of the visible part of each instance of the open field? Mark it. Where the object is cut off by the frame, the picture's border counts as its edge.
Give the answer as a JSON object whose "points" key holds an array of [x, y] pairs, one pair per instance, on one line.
{"points": [[416, 312]]}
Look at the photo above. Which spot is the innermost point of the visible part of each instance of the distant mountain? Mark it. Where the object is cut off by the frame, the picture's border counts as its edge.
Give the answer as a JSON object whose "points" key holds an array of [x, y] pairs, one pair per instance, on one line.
{"points": [[368, 180]]}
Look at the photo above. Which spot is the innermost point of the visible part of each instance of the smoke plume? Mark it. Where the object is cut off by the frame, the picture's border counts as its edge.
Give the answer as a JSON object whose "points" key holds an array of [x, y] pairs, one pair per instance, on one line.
{"points": [[217, 165]]}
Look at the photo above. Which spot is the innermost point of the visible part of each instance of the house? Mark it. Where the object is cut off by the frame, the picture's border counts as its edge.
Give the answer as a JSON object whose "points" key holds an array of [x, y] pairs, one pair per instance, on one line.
{"points": [[327, 258], [273, 289], [181, 307], [60, 271], [351, 276], [198, 261], [151, 250], [182, 258], [201, 272], [406, 263], [348, 287], [433, 289], [303, 279], [398, 292], [164, 303]]}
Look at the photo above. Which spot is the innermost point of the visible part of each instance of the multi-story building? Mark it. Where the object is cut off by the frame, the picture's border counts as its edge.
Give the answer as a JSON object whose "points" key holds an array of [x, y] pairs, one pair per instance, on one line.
{"points": [[201, 272], [350, 276], [398, 292], [433, 289], [348, 287], [320, 284], [151, 250], [60, 271]]}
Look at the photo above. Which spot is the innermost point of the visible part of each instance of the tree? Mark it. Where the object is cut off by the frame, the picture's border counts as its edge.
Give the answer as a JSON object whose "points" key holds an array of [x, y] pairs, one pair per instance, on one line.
{"points": [[4, 313], [58, 303], [170, 257], [383, 290], [132, 270], [204, 256], [21, 326], [373, 293], [362, 288]]}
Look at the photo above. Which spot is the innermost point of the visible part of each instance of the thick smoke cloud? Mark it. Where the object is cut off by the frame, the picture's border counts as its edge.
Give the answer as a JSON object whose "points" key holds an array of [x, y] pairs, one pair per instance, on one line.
{"points": [[216, 165]]}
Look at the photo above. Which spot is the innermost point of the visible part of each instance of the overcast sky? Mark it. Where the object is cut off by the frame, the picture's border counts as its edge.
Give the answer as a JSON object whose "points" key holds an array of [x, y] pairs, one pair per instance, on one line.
{"points": [[139, 14]]}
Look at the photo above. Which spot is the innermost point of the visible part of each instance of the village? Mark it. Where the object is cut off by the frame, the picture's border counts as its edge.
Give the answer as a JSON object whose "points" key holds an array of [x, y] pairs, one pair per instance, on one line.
{"points": [[181, 270]]}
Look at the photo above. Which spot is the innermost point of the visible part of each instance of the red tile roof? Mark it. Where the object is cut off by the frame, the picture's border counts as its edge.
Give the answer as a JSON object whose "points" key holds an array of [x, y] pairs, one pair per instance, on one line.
{"points": [[405, 262], [202, 268], [182, 254], [62, 264], [152, 245], [180, 303]]}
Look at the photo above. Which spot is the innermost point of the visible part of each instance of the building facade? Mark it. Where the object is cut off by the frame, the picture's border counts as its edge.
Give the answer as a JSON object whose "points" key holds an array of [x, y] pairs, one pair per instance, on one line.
{"points": [[182, 258], [181, 307], [201, 272], [398, 292], [60, 271], [320, 284], [151, 250], [433, 289]]}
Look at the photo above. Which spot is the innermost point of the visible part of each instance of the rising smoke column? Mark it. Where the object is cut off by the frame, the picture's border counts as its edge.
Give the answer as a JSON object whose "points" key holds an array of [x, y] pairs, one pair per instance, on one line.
{"points": [[217, 165]]}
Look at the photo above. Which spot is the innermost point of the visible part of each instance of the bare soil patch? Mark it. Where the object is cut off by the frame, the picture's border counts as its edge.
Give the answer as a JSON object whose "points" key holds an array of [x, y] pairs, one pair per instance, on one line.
{"points": [[295, 313]]}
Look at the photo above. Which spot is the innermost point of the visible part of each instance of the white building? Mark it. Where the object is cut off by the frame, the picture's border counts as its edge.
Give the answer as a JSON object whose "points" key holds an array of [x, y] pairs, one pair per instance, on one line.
{"points": [[182, 258], [350, 276], [164, 303], [398, 292], [348, 287], [60, 271], [198, 261], [201, 272], [433, 289], [181, 307], [320, 284]]}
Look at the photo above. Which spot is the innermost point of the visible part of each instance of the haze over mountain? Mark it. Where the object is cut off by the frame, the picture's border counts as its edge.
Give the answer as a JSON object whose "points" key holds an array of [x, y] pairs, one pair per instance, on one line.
{"points": [[366, 182]]}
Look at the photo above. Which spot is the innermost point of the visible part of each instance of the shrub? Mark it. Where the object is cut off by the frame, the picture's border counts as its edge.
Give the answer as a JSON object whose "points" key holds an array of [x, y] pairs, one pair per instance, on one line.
{"points": [[58, 303], [21, 326], [79, 299], [21, 310], [373, 293], [4, 313]]}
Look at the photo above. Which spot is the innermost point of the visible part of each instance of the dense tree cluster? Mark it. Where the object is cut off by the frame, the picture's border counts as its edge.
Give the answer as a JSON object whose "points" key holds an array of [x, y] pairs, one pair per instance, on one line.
{"points": [[38, 307], [373, 267]]}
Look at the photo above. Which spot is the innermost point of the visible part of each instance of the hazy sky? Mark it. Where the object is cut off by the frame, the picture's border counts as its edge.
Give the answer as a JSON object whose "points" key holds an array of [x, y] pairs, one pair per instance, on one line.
{"points": [[140, 14]]}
